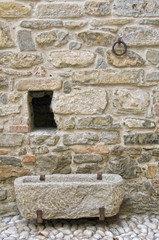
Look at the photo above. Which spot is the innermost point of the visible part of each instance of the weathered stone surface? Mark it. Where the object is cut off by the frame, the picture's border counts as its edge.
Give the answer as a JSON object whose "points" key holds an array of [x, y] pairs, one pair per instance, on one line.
{"points": [[38, 84], [149, 21], [40, 150], [111, 137], [97, 8], [140, 36], [130, 100], [152, 56], [83, 149], [16, 73], [136, 8], [113, 21], [25, 40], [130, 151], [101, 64], [13, 10], [124, 166], [108, 76], [56, 10], [130, 59], [72, 58], [65, 123], [97, 123], [87, 158], [41, 138], [75, 45], [88, 168], [9, 160], [151, 170], [91, 38], [67, 87], [138, 123], [5, 39], [20, 60], [74, 24], [153, 76], [80, 138], [146, 157], [11, 171], [9, 110], [59, 193], [142, 138], [4, 82], [62, 38], [3, 99], [9, 207], [80, 102], [11, 140], [3, 195], [155, 153], [41, 24], [55, 163], [47, 38]]}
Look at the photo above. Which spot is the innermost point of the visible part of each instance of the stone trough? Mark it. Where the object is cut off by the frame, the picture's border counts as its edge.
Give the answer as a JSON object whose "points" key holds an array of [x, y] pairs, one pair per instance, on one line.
{"points": [[69, 196]]}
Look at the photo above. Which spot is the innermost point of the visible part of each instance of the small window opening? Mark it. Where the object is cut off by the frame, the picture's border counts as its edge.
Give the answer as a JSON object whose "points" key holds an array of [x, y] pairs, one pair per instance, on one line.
{"points": [[40, 111]]}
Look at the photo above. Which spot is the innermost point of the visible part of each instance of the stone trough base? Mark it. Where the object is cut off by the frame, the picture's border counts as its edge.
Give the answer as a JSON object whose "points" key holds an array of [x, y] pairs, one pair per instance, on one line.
{"points": [[69, 196]]}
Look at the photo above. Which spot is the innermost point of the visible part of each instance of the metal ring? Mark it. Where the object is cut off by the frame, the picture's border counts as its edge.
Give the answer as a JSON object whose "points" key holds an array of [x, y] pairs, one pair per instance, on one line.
{"points": [[119, 42]]}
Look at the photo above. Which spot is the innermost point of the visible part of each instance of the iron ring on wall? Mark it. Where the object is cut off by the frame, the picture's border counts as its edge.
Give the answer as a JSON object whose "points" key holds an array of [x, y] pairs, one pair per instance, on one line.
{"points": [[119, 42]]}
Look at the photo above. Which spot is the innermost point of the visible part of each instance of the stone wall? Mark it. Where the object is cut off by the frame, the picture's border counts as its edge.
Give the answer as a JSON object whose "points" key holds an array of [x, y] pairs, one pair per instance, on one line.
{"points": [[106, 107]]}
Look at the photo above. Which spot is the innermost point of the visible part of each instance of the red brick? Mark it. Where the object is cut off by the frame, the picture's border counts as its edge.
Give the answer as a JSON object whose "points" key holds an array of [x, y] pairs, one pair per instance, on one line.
{"points": [[3, 152], [20, 129], [29, 159], [156, 109]]}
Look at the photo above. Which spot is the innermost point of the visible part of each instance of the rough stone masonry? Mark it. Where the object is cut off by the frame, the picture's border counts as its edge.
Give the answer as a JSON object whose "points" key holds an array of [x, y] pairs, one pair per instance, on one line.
{"points": [[106, 107]]}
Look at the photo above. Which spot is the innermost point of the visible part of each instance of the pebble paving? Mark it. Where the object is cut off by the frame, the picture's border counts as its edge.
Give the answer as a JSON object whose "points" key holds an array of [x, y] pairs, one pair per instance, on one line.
{"points": [[122, 227]]}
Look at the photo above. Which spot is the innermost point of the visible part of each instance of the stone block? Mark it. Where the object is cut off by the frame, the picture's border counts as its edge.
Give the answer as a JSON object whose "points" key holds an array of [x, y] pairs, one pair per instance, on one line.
{"points": [[19, 60], [97, 8], [124, 166], [152, 56], [39, 150], [8, 171], [142, 138], [9, 160], [3, 195], [4, 82], [92, 38], [138, 8], [9, 110], [58, 10], [108, 77], [65, 123], [74, 24], [138, 123], [3, 99], [19, 129], [95, 122], [46, 38], [75, 45], [55, 163], [153, 76], [151, 170], [5, 40], [130, 151], [146, 157], [13, 10], [130, 59], [87, 158], [140, 36], [131, 100], [16, 73], [74, 192], [3, 152], [88, 149], [25, 40], [41, 24], [80, 138], [101, 64], [110, 138], [110, 21], [72, 58], [38, 84], [29, 159], [80, 102], [149, 21], [11, 140]]}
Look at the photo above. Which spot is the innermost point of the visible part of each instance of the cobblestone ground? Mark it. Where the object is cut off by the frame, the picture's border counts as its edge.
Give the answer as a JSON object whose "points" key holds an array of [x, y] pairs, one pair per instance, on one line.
{"points": [[134, 227]]}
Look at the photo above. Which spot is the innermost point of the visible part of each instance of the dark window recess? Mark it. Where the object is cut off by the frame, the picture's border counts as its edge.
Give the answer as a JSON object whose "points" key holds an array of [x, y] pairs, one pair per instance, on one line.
{"points": [[41, 114]]}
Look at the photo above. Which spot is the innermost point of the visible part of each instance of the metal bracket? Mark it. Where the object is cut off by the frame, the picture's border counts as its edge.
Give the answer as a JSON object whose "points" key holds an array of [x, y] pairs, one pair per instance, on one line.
{"points": [[39, 216], [102, 213], [99, 176], [42, 177], [119, 42]]}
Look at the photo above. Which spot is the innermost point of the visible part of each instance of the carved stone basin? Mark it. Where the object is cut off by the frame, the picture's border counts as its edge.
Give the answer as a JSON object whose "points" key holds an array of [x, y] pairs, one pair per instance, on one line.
{"points": [[69, 196]]}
